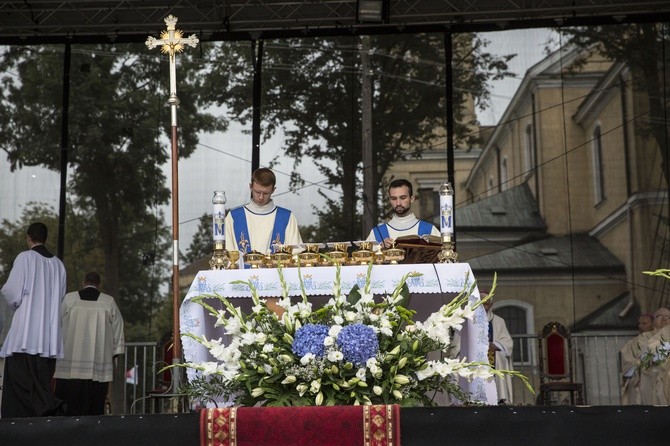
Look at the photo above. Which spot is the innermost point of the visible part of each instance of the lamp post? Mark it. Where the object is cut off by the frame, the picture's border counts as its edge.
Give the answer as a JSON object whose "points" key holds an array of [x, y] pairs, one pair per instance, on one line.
{"points": [[171, 42]]}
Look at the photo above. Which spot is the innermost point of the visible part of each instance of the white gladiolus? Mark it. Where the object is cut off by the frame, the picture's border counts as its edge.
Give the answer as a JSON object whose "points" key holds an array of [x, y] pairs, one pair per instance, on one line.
{"points": [[329, 341], [233, 326], [334, 330], [267, 348], [366, 298], [425, 373], [209, 368], [338, 320]]}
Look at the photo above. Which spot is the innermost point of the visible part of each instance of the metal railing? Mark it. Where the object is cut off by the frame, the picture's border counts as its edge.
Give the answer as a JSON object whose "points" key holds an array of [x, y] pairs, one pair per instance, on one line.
{"points": [[142, 364], [596, 362]]}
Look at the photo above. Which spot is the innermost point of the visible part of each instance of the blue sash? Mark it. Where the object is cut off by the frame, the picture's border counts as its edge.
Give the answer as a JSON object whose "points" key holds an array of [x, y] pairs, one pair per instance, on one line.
{"points": [[241, 230], [425, 228]]}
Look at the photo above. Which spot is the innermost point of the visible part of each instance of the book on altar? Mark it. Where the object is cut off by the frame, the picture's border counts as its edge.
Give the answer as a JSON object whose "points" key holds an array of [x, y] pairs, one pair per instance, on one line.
{"points": [[419, 248]]}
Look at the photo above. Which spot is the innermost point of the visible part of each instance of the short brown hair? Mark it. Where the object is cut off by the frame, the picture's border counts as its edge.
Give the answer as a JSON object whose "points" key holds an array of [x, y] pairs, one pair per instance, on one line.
{"points": [[37, 232], [264, 176], [92, 278], [400, 182]]}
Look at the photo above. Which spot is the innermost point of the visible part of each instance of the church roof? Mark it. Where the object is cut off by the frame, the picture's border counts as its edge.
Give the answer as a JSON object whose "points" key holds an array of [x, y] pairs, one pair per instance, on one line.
{"points": [[608, 316], [579, 252], [511, 210]]}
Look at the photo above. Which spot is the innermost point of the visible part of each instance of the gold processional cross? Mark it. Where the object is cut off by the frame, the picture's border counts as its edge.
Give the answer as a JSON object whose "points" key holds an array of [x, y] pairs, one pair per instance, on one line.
{"points": [[172, 42]]}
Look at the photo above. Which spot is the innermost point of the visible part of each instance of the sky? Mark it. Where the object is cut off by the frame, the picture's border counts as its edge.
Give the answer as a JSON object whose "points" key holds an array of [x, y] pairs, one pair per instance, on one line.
{"points": [[222, 161]]}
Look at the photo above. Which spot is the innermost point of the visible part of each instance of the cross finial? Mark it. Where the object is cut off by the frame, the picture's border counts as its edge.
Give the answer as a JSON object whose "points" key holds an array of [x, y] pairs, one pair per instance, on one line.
{"points": [[172, 40]]}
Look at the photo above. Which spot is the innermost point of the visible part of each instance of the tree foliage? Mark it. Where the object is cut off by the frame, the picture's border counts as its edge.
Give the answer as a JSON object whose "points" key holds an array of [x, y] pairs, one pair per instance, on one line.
{"points": [[117, 125], [312, 93], [201, 244], [138, 297]]}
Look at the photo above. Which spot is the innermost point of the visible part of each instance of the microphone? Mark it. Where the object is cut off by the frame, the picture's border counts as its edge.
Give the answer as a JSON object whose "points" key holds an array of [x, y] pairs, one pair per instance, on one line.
{"points": [[367, 207]]}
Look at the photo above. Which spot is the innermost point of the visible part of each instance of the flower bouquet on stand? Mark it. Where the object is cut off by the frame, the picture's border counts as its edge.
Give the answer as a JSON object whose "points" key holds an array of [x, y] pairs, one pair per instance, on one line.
{"points": [[356, 349]]}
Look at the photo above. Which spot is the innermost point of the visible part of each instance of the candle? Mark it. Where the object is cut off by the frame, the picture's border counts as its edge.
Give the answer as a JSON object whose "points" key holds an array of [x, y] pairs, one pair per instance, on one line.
{"points": [[446, 210], [218, 214]]}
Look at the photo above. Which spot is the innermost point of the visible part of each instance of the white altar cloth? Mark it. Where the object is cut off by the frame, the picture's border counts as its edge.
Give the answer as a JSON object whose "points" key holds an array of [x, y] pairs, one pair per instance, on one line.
{"points": [[318, 281]]}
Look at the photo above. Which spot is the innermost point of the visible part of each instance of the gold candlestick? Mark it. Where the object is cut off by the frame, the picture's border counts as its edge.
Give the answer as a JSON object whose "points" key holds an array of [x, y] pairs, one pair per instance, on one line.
{"points": [[220, 259], [447, 254]]}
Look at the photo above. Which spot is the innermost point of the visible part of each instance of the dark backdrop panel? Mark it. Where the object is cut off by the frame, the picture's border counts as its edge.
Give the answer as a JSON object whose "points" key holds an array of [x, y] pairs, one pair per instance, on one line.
{"points": [[453, 426]]}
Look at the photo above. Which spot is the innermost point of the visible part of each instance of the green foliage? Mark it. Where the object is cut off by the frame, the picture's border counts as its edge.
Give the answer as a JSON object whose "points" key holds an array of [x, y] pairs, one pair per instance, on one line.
{"points": [[118, 128], [312, 93], [354, 350], [201, 244]]}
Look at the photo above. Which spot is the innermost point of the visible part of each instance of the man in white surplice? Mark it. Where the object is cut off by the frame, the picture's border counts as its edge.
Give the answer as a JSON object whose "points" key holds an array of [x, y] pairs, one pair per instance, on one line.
{"points": [[259, 224], [34, 291], [404, 222], [92, 336], [500, 351]]}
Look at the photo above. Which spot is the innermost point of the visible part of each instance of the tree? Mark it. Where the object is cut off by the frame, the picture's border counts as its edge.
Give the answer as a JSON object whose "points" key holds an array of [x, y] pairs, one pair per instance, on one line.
{"points": [[311, 92], [118, 122], [201, 244]]}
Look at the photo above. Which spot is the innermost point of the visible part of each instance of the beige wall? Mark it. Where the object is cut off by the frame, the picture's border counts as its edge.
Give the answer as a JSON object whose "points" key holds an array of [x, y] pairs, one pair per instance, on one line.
{"points": [[569, 105]]}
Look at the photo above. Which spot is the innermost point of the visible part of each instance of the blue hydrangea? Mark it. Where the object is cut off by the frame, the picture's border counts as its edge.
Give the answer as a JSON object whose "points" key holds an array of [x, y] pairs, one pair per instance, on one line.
{"points": [[358, 343], [309, 339]]}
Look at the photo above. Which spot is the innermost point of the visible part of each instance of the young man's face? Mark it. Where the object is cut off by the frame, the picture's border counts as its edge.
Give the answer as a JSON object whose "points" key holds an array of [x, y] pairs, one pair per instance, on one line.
{"points": [[261, 195], [401, 200]]}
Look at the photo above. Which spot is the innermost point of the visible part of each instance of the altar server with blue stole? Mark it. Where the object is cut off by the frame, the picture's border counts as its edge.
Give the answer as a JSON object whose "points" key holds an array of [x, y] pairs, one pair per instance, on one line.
{"points": [[404, 222], [259, 224]]}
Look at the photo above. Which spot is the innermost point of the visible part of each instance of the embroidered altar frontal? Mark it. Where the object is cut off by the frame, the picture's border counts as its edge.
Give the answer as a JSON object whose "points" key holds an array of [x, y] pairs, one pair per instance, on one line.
{"points": [[377, 425]]}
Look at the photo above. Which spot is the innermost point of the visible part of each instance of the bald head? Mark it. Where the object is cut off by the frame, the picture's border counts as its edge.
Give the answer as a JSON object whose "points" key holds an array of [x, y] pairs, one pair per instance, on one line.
{"points": [[661, 318]]}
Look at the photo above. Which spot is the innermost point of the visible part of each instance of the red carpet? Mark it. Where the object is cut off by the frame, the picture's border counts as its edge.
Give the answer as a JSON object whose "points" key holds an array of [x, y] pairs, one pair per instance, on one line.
{"points": [[297, 426]]}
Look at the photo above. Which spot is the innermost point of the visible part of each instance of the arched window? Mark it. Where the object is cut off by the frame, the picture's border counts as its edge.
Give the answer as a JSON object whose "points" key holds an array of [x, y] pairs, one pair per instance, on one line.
{"points": [[517, 320], [597, 166]]}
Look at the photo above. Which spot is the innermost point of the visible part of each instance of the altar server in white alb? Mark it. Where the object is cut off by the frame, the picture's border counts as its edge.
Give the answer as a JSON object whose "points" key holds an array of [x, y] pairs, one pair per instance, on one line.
{"points": [[34, 291], [501, 346], [92, 336], [404, 222], [259, 224]]}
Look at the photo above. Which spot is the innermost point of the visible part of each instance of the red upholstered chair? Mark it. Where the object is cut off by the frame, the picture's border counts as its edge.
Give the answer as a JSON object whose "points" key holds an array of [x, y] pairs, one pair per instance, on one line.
{"points": [[556, 369]]}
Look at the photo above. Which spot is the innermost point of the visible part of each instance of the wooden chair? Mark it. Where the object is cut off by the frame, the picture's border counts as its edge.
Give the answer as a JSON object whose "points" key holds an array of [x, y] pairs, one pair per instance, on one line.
{"points": [[556, 368]]}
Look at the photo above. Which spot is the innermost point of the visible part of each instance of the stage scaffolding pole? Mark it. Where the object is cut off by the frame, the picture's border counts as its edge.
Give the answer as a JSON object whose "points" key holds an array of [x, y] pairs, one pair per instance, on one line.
{"points": [[171, 42]]}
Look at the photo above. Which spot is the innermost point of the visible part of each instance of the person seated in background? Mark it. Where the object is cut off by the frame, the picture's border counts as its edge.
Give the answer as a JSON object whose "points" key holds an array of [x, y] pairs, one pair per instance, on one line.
{"points": [[630, 356], [403, 222]]}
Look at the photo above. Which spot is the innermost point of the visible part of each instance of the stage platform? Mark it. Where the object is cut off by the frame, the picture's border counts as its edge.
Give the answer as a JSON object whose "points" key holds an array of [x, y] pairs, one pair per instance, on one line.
{"points": [[523, 425]]}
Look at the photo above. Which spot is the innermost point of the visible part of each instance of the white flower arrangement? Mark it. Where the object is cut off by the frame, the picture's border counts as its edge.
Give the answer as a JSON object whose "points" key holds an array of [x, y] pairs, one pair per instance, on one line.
{"points": [[354, 350]]}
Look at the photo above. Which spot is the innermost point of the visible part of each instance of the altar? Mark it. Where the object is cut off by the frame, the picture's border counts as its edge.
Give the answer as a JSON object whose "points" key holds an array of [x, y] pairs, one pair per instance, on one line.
{"points": [[430, 287]]}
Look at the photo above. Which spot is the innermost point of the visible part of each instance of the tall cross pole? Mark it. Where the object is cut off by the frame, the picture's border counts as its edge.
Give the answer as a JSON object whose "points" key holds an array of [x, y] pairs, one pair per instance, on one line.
{"points": [[171, 42]]}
